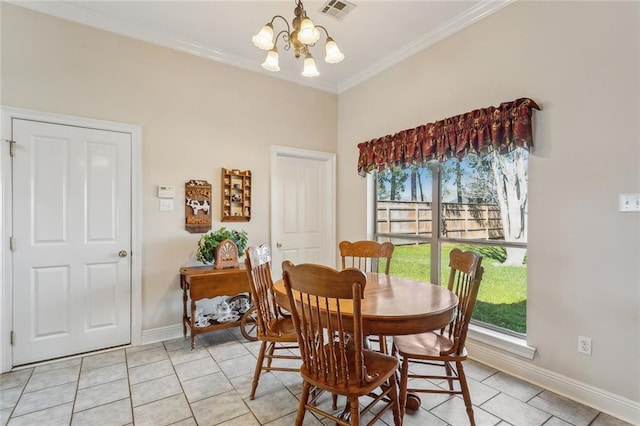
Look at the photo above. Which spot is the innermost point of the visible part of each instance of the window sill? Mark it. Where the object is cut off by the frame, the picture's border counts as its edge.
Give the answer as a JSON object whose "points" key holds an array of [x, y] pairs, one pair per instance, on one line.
{"points": [[505, 342]]}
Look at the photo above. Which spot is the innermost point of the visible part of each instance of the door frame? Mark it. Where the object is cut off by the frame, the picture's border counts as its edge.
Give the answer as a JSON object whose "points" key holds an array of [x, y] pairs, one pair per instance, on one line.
{"points": [[329, 159], [6, 269]]}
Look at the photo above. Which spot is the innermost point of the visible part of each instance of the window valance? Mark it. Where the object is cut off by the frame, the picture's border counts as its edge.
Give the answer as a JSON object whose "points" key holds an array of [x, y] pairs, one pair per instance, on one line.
{"points": [[499, 128]]}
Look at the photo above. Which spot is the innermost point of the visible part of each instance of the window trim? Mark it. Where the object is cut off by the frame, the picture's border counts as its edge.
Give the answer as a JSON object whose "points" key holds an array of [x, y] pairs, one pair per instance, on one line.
{"points": [[500, 340]]}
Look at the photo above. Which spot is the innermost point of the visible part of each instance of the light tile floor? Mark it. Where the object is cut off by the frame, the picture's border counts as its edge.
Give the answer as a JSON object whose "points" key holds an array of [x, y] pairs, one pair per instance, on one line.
{"points": [[167, 383]]}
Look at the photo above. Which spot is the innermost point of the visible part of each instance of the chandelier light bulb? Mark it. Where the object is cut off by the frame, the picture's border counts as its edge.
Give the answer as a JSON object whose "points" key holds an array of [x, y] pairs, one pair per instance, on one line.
{"points": [[264, 38], [310, 69], [271, 61], [334, 55], [308, 33]]}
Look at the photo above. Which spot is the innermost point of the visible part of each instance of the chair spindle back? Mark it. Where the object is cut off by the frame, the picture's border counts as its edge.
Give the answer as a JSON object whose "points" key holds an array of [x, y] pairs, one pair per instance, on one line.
{"points": [[366, 255], [464, 280], [325, 338], [258, 264]]}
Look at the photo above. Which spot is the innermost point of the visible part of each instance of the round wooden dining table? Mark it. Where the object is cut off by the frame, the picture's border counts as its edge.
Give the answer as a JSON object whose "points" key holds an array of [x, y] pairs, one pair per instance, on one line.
{"points": [[395, 306]]}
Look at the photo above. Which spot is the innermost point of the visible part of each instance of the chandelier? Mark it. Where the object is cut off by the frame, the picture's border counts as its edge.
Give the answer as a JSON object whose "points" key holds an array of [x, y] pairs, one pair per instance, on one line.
{"points": [[304, 35]]}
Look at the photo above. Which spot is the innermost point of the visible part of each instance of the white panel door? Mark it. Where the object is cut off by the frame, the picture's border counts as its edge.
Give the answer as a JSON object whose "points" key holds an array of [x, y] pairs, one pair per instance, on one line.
{"points": [[72, 230], [302, 212]]}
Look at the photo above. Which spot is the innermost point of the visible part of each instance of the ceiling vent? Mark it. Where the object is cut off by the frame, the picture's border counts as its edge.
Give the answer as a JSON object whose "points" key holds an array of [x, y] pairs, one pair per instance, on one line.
{"points": [[337, 9]]}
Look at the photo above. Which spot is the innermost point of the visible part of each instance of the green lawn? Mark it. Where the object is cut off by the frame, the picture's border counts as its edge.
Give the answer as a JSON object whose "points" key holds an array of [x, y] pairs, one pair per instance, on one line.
{"points": [[503, 292]]}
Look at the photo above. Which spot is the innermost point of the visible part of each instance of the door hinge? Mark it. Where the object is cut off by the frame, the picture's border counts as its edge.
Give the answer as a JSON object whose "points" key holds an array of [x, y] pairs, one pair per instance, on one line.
{"points": [[12, 243], [12, 337], [12, 147]]}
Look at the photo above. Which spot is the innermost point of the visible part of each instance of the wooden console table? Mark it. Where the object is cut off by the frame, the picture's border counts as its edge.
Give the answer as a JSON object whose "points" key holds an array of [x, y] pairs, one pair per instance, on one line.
{"points": [[200, 282]]}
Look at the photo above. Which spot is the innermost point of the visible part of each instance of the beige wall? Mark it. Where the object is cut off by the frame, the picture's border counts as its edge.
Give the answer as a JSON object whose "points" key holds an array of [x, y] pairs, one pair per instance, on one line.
{"points": [[580, 61], [196, 116]]}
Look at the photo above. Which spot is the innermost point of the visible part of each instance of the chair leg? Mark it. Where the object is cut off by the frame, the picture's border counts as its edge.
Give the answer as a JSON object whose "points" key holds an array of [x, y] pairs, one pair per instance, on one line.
{"points": [[354, 411], [465, 393], [302, 406], [404, 379], [258, 370], [449, 371], [383, 344], [272, 348], [397, 411]]}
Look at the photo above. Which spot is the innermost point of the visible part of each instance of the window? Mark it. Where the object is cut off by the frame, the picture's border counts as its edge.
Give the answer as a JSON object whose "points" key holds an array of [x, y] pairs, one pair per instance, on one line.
{"points": [[475, 204]]}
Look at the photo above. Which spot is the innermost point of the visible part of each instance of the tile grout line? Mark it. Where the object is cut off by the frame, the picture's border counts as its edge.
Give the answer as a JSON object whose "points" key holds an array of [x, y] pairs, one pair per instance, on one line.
{"points": [[75, 394], [126, 369], [173, 367], [21, 394], [229, 380]]}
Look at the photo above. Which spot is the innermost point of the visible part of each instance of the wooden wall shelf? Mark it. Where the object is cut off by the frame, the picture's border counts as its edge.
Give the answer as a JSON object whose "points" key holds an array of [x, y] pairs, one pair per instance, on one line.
{"points": [[236, 195]]}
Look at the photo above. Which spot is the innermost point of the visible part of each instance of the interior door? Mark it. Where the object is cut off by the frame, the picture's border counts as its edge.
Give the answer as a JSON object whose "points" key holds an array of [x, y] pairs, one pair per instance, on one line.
{"points": [[303, 208], [72, 230]]}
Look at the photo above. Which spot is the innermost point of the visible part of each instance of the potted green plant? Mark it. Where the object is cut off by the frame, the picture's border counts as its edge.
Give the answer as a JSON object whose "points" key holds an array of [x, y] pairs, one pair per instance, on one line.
{"points": [[208, 242]]}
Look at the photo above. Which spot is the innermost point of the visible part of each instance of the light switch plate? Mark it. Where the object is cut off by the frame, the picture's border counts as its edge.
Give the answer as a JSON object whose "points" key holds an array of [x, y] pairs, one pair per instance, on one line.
{"points": [[166, 205], [630, 203], [166, 191]]}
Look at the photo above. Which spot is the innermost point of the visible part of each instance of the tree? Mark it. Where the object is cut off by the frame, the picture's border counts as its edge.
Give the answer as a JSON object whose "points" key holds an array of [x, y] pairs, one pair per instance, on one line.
{"points": [[481, 188], [391, 184], [383, 179], [510, 175], [452, 171], [417, 191], [414, 184]]}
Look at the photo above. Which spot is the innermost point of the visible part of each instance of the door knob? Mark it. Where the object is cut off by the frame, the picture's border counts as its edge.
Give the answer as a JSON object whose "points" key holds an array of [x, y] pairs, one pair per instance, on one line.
{"points": [[278, 245], [122, 253]]}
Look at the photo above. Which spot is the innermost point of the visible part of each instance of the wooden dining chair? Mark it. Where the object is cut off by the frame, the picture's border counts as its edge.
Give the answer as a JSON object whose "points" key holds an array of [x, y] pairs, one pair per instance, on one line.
{"points": [[366, 255], [446, 347], [275, 330], [326, 310]]}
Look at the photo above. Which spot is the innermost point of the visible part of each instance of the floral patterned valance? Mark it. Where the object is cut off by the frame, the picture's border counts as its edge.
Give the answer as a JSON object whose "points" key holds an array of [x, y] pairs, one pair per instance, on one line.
{"points": [[495, 128]]}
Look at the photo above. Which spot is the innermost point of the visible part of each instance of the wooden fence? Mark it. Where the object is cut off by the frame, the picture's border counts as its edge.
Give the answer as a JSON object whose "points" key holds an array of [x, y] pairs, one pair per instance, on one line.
{"points": [[470, 221]]}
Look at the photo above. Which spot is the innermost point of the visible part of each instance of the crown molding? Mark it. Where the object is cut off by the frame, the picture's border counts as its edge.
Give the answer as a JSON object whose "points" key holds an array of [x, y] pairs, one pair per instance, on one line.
{"points": [[459, 22], [239, 62]]}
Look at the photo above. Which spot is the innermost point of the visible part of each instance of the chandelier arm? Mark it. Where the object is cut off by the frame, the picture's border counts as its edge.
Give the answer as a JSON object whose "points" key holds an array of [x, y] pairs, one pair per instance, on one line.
{"points": [[286, 34], [325, 30], [285, 39], [283, 20]]}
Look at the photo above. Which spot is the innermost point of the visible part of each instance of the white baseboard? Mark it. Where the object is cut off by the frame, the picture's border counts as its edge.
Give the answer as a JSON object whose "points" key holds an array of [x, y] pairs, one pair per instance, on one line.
{"points": [[161, 334], [599, 399]]}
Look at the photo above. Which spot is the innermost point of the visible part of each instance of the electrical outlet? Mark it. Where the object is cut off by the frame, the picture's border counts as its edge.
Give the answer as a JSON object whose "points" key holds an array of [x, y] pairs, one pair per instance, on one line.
{"points": [[629, 203], [584, 345]]}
